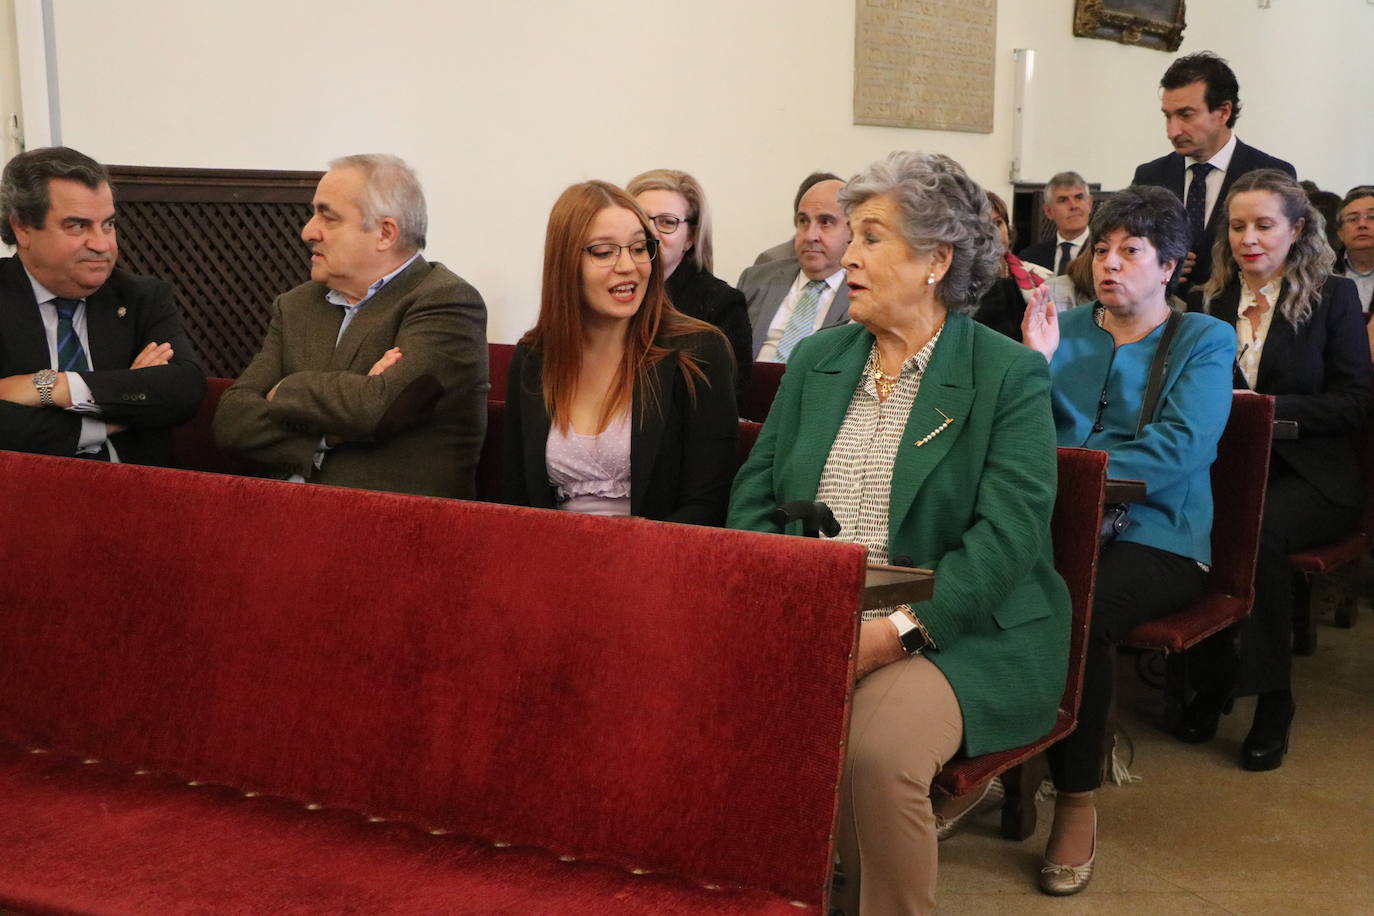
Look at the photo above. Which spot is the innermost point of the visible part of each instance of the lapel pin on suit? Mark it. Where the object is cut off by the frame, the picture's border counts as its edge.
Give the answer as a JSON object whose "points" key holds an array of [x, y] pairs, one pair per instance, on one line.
{"points": [[121, 311], [937, 430]]}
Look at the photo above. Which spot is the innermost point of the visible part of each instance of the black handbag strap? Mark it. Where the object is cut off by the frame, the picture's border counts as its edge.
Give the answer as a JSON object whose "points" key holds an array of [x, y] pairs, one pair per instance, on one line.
{"points": [[1157, 367]]}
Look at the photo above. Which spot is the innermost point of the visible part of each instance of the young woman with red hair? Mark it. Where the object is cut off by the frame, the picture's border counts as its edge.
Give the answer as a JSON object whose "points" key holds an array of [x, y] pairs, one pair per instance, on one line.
{"points": [[616, 403]]}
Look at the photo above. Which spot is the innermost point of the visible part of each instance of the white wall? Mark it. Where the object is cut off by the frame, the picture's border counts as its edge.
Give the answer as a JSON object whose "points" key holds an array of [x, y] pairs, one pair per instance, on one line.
{"points": [[500, 105]]}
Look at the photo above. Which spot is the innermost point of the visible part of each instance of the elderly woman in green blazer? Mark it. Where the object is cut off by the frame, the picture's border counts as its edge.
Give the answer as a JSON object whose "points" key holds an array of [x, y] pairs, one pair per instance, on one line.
{"points": [[931, 439]]}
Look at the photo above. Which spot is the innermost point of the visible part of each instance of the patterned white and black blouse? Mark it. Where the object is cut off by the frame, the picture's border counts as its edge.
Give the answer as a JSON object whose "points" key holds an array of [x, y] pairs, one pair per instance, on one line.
{"points": [[857, 481]]}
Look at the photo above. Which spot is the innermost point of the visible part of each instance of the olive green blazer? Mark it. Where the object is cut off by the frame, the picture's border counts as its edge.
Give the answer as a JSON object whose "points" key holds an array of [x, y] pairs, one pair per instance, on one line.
{"points": [[973, 504], [416, 428]]}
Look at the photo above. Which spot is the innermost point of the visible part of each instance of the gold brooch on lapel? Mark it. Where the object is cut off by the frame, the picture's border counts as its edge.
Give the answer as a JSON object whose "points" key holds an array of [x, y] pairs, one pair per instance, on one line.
{"points": [[121, 311], [937, 430]]}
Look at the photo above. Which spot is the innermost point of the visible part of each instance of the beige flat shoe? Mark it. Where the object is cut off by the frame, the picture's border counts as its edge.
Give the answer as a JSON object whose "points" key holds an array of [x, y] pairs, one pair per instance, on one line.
{"points": [[1063, 880], [992, 796]]}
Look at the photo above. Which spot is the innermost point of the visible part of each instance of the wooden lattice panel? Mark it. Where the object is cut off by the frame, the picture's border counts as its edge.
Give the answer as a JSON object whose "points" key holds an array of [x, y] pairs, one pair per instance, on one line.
{"points": [[227, 240]]}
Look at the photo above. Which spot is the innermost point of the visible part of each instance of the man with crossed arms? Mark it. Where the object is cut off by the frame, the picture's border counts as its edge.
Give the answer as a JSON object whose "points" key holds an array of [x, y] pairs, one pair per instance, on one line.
{"points": [[374, 373], [93, 360]]}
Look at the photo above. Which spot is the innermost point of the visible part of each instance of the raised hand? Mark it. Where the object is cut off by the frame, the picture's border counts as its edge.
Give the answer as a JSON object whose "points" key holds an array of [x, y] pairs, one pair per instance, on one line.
{"points": [[1188, 263], [1040, 326]]}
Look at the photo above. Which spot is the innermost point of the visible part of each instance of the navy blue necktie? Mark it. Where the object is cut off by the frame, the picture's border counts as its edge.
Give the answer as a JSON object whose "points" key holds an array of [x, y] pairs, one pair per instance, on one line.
{"points": [[71, 357], [1196, 204], [1065, 250]]}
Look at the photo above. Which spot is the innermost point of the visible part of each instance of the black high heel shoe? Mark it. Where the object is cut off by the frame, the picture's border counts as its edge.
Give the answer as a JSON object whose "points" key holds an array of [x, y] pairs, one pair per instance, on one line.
{"points": [[1267, 742], [1198, 724]]}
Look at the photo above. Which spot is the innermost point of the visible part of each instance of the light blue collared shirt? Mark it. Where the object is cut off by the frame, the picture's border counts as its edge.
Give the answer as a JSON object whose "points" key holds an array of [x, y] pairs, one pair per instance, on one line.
{"points": [[351, 309], [94, 433]]}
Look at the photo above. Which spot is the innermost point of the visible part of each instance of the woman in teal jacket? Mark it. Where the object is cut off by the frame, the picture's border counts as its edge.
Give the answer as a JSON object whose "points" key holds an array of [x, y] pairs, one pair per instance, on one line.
{"points": [[931, 438], [1100, 359]]}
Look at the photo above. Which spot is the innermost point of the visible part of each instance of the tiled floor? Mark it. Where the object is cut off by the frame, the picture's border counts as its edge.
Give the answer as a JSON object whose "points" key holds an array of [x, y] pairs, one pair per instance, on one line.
{"points": [[1200, 835]]}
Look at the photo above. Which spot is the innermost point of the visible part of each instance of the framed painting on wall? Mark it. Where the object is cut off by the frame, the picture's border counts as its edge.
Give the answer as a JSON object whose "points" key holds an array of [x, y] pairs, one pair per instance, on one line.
{"points": [[1157, 24]]}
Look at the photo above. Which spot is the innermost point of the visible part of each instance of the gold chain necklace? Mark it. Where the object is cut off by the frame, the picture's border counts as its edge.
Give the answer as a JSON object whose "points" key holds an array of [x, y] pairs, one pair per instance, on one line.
{"points": [[883, 383]]}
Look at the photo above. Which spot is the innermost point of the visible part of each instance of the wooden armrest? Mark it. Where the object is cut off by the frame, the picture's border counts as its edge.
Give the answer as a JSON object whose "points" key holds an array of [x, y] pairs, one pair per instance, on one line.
{"points": [[887, 586], [1122, 490]]}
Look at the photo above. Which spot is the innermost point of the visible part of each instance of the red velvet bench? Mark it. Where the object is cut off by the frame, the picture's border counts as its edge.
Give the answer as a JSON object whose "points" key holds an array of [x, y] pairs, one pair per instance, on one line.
{"points": [[234, 695]]}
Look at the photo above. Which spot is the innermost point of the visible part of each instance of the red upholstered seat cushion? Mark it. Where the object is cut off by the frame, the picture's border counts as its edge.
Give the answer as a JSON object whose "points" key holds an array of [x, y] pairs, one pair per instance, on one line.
{"points": [[574, 683], [1328, 557], [1177, 632], [1333, 556], [99, 839], [965, 774]]}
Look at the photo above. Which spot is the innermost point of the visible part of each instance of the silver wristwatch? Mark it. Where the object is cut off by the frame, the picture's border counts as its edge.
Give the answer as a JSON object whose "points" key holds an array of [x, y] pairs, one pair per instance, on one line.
{"points": [[44, 380], [912, 633]]}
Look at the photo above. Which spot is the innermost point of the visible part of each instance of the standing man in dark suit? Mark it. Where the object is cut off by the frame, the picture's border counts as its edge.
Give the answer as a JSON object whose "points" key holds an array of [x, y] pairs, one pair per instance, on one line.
{"points": [[1068, 204], [373, 373], [791, 299], [93, 360], [1201, 101]]}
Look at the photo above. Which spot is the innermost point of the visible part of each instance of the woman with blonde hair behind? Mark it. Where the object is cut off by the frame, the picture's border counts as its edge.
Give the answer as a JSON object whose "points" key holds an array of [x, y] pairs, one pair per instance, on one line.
{"points": [[676, 206]]}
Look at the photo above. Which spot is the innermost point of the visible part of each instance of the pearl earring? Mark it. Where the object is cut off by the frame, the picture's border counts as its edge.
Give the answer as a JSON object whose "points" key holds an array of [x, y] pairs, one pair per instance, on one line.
{"points": [[930, 280]]}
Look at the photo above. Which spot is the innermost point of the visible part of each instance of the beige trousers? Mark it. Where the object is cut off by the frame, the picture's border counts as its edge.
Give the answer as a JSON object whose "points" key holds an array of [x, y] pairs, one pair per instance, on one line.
{"points": [[905, 725]]}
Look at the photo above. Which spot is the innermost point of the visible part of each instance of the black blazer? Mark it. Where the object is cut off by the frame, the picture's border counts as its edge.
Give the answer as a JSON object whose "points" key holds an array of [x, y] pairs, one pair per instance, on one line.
{"points": [[1168, 171], [1002, 307], [1044, 252], [122, 317], [1320, 376], [703, 295], [682, 454]]}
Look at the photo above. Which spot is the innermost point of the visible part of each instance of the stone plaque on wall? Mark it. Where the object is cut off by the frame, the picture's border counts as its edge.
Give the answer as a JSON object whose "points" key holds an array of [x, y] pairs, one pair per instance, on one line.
{"points": [[925, 63]]}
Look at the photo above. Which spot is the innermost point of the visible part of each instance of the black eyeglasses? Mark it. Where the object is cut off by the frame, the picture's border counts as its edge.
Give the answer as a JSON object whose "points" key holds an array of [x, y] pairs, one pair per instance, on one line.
{"points": [[607, 253], [667, 223]]}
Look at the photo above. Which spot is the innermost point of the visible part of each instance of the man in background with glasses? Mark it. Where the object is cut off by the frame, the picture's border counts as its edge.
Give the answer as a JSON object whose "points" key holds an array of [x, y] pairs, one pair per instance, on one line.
{"points": [[1355, 226], [374, 373], [792, 299]]}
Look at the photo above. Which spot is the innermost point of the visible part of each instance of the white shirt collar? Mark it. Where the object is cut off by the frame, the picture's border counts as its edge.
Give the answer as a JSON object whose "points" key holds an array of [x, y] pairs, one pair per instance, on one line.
{"points": [[1222, 160], [1350, 268], [1077, 243], [833, 281], [41, 293]]}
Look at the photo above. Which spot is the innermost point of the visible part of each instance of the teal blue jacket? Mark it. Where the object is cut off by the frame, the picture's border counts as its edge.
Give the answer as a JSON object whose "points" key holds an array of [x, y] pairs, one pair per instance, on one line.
{"points": [[1175, 451], [973, 504]]}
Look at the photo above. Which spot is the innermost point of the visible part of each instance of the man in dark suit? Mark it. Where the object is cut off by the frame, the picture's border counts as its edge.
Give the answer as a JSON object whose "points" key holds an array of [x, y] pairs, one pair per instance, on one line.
{"points": [[1201, 101], [1355, 226], [1068, 204], [374, 373], [791, 299], [93, 360]]}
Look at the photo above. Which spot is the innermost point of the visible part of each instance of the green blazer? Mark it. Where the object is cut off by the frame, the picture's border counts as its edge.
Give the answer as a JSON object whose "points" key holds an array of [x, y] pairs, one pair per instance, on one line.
{"points": [[973, 504]]}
